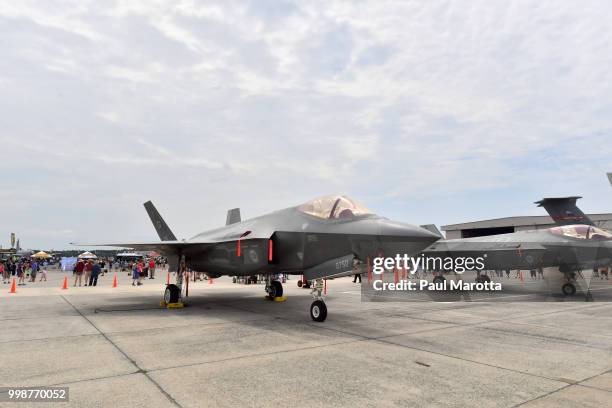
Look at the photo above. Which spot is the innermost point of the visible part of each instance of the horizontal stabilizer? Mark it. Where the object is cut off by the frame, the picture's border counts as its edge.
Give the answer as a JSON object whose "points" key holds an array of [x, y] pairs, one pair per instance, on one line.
{"points": [[233, 216]]}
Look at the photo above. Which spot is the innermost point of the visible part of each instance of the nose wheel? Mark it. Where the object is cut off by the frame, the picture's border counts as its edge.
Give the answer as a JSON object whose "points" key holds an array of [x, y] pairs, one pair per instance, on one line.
{"points": [[318, 311]]}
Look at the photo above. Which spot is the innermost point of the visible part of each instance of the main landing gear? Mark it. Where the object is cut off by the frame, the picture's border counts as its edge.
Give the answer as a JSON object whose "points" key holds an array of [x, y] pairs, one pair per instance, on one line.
{"points": [[318, 309], [172, 294], [274, 289], [439, 279], [568, 289], [482, 278]]}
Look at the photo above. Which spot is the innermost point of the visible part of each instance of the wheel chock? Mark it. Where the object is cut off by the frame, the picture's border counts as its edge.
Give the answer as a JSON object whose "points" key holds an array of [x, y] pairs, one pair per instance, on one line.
{"points": [[178, 305], [276, 299], [162, 303]]}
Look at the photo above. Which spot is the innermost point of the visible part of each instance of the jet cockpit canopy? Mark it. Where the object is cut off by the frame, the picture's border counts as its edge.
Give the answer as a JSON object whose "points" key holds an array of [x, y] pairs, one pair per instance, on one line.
{"points": [[334, 207], [582, 232]]}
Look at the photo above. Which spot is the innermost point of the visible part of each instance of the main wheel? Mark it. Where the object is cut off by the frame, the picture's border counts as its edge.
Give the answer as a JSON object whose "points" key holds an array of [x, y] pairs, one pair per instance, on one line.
{"points": [[568, 289], [439, 279], [276, 289], [483, 279], [318, 311], [299, 283], [172, 293]]}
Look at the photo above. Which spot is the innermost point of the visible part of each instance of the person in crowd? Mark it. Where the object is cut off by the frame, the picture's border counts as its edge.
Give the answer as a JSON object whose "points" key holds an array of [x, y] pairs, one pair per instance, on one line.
{"points": [[151, 268], [5, 273], [96, 269], [43, 273], [87, 269], [34, 271], [141, 271], [20, 270], [78, 272], [356, 270], [135, 275], [603, 273]]}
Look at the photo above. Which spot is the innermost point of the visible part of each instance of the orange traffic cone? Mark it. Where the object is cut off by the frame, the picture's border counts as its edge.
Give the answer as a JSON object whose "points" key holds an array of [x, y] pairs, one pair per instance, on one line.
{"points": [[13, 287], [115, 281], [210, 281], [65, 283]]}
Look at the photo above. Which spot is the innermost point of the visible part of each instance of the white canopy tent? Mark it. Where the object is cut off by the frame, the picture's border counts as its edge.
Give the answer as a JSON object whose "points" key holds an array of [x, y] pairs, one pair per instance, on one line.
{"points": [[87, 255]]}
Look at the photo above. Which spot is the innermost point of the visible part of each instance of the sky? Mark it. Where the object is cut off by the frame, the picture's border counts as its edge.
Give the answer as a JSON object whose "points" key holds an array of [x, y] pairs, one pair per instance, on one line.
{"points": [[424, 111]]}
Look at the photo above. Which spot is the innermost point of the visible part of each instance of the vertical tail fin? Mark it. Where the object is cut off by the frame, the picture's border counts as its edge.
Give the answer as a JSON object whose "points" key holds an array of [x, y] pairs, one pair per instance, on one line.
{"points": [[158, 222], [233, 216], [563, 210]]}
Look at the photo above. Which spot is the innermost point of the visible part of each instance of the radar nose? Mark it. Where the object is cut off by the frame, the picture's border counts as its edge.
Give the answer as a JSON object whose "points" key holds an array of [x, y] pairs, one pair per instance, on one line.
{"points": [[398, 229]]}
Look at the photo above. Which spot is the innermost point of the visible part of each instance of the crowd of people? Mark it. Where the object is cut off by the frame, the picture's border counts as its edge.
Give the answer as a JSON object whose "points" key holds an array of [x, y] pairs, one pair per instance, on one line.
{"points": [[23, 269], [85, 271]]}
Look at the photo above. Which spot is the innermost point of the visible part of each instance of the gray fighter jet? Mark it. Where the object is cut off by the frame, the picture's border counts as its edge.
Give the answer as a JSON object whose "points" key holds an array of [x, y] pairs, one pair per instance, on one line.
{"points": [[570, 248], [319, 239]]}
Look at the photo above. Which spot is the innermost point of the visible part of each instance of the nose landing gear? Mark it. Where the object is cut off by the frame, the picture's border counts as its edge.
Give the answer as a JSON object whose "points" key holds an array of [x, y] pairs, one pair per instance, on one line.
{"points": [[318, 309]]}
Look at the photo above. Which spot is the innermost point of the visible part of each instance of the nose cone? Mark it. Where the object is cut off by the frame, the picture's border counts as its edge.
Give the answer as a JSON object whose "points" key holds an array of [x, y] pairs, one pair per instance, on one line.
{"points": [[391, 229]]}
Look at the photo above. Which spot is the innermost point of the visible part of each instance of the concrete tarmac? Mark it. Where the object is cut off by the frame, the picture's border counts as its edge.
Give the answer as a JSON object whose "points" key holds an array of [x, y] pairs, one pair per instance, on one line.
{"points": [[116, 347]]}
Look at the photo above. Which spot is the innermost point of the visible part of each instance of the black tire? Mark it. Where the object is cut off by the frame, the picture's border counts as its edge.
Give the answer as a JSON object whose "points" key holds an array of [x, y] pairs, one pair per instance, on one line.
{"points": [[299, 283], [172, 294], [234, 279], [568, 289], [483, 279], [439, 279], [318, 311], [276, 289], [306, 285]]}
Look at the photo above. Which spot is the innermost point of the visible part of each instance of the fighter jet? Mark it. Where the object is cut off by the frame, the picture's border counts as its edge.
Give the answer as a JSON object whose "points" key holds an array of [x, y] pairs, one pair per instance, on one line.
{"points": [[318, 239], [569, 247]]}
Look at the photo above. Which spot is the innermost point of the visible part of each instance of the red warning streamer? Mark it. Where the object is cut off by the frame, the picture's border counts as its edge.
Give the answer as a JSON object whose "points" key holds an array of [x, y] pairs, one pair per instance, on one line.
{"points": [[242, 236]]}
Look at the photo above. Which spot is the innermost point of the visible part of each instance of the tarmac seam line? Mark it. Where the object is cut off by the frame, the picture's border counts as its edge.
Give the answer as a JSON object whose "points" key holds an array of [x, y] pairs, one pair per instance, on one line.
{"points": [[168, 396], [560, 389]]}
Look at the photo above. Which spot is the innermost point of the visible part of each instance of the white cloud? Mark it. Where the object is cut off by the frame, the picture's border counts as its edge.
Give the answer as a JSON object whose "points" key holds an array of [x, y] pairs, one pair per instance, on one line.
{"points": [[263, 104]]}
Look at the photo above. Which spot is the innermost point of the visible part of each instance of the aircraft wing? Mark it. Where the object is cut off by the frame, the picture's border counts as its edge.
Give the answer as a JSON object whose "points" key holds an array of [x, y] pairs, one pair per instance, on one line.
{"points": [[163, 247], [497, 255]]}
